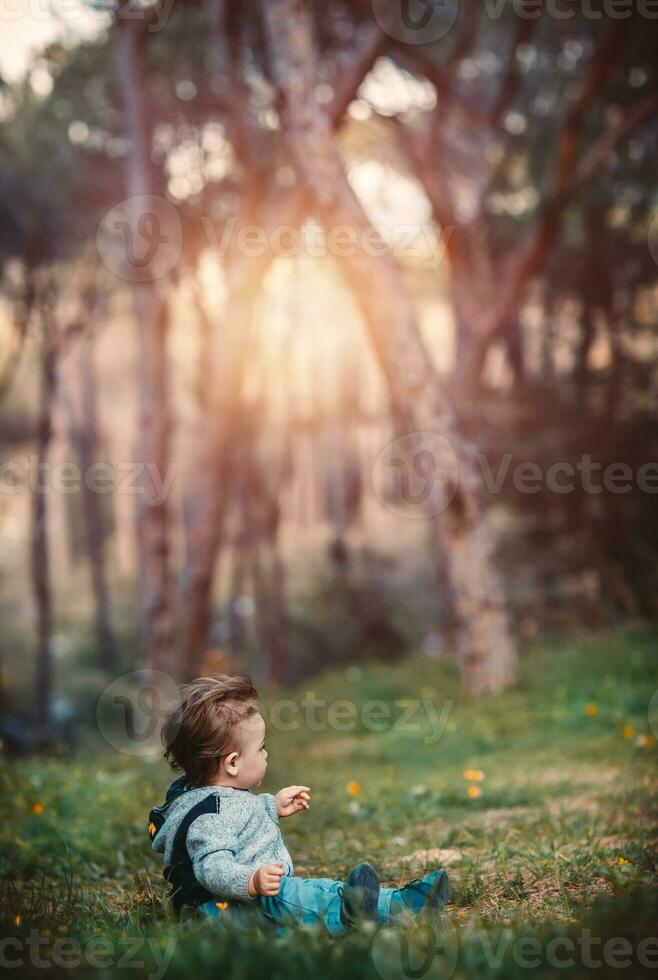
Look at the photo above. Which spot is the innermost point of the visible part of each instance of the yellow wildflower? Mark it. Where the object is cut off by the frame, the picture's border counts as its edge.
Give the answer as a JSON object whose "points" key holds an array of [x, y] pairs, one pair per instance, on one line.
{"points": [[645, 741], [473, 792], [475, 775], [37, 807], [591, 710], [221, 905], [354, 788], [629, 731], [622, 860]]}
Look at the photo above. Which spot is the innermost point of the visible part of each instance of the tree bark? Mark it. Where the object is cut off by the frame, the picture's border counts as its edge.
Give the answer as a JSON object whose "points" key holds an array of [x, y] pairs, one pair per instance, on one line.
{"points": [[40, 563], [208, 507], [514, 349], [83, 432], [487, 653], [238, 641], [268, 580], [581, 370], [152, 320]]}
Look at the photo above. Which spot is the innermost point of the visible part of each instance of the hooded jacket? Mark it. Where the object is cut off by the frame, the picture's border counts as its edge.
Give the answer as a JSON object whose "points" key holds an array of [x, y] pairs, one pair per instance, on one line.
{"points": [[213, 838]]}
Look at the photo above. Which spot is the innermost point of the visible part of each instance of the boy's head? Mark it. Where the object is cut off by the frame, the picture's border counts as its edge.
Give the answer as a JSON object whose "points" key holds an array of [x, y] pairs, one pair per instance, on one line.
{"points": [[217, 734]]}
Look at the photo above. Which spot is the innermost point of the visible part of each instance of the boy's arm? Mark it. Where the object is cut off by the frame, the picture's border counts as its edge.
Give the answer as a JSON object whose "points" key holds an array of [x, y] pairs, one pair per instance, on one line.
{"points": [[212, 846], [270, 805]]}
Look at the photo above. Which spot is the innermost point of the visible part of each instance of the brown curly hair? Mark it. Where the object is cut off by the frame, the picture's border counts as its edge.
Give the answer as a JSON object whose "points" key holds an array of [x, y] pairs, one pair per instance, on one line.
{"points": [[201, 728]]}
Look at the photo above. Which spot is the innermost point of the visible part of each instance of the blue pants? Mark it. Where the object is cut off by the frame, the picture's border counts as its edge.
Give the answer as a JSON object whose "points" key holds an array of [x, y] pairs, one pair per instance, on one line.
{"points": [[299, 901]]}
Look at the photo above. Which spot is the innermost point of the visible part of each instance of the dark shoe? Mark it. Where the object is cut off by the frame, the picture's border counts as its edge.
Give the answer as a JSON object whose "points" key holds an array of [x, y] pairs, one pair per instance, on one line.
{"points": [[360, 896], [425, 895]]}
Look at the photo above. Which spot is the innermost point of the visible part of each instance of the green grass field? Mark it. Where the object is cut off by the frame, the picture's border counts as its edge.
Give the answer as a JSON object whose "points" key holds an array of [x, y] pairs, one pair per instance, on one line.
{"points": [[541, 804]]}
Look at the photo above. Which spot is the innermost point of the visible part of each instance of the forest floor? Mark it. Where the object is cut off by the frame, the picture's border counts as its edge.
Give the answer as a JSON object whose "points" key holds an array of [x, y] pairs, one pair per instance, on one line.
{"points": [[542, 804]]}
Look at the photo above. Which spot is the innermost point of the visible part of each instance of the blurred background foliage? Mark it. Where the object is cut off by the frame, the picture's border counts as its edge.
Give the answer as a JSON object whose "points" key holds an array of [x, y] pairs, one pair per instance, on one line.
{"points": [[520, 154]]}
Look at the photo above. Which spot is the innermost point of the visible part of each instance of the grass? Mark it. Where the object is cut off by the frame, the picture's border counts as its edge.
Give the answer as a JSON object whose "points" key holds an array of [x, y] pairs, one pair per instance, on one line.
{"points": [[557, 837]]}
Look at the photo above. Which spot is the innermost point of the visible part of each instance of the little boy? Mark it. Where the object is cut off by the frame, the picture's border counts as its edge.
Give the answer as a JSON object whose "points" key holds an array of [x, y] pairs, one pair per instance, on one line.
{"points": [[223, 850]]}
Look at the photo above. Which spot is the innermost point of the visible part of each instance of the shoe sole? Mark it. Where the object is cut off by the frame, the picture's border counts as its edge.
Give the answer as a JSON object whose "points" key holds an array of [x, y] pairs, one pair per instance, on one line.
{"points": [[439, 895], [369, 886]]}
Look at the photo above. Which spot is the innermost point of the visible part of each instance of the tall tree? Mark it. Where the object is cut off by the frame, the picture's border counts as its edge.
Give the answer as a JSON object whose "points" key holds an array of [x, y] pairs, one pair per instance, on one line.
{"points": [[244, 274], [40, 558], [151, 313], [84, 437], [54, 328], [487, 653], [499, 171]]}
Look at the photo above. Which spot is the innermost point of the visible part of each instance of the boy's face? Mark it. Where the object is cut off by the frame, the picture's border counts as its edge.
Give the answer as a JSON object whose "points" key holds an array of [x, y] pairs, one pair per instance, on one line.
{"points": [[252, 754]]}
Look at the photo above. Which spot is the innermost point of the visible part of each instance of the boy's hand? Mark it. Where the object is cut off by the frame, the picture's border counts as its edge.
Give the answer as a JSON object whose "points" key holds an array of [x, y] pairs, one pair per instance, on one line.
{"points": [[292, 799], [266, 881]]}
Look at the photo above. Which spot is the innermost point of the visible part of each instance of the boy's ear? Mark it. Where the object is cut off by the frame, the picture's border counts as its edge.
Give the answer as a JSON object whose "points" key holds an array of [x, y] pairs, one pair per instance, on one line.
{"points": [[231, 763]]}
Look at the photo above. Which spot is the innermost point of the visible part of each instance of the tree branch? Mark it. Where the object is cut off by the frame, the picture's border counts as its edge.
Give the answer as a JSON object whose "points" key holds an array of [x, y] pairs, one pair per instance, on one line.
{"points": [[598, 154], [524, 266], [348, 80], [512, 76]]}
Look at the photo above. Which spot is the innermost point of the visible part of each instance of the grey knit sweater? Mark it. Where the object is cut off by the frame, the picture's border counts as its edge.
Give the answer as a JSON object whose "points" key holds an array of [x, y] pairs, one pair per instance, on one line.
{"points": [[225, 847]]}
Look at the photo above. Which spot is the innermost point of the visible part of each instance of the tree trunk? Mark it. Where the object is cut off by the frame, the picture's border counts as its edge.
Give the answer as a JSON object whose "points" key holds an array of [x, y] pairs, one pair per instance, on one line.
{"points": [[267, 574], [615, 385], [487, 652], [471, 356], [40, 564], [152, 319], [546, 354], [336, 491], [239, 642], [581, 373], [514, 349], [507, 282], [267, 582], [208, 507], [244, 275], [277, 571], [84, 437], [206, 356]]}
